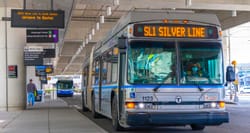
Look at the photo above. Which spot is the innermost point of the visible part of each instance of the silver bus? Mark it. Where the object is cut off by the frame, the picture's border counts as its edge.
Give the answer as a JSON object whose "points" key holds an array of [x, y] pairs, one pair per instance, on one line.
{"points": [[158, 69]]}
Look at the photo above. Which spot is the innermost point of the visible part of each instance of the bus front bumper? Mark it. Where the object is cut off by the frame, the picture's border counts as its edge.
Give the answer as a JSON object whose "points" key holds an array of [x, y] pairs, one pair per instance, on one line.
{"points": [[154, 118]]}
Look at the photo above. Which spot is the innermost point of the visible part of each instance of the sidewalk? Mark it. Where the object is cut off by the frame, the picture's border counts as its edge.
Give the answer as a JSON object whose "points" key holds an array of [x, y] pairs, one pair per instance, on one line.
{"points": [[241, 99], [50, 116]]}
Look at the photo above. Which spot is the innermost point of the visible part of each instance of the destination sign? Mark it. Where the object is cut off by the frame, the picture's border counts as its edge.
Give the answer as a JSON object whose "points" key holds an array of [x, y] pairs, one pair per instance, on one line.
{"points": [[175, 31], [37, 18]]}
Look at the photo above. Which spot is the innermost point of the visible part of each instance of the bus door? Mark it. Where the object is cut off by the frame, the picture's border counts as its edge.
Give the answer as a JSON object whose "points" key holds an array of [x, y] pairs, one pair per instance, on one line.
{"points": [[122, 63], [100, 84]]}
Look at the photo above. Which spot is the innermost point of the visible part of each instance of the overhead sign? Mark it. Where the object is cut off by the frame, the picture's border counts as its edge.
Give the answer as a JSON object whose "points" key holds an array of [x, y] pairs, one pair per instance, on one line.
{"points": [[175, 31], [33, 49], [37, 18], [33, 56], [12, 71], [49, 53], [41, 36], [44, 70]]}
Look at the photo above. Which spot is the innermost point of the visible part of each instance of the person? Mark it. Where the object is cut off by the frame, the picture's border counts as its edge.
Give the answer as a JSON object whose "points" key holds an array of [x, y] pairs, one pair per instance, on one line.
{"points": [[194, 70], [31, 89]]}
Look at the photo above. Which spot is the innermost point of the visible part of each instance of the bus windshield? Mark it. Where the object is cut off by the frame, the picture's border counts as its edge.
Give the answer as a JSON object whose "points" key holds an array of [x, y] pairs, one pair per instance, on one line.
{"points": [[201, 63], [152, 62], [64, 84]]}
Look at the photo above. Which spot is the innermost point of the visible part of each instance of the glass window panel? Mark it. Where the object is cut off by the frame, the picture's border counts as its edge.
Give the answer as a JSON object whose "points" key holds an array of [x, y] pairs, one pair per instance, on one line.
{"points": [[201, 63], [152, 62]]}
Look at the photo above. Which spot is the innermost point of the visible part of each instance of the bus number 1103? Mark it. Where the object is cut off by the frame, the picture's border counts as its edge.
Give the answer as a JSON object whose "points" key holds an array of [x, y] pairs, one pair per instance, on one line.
{"points": [[147, 98]]}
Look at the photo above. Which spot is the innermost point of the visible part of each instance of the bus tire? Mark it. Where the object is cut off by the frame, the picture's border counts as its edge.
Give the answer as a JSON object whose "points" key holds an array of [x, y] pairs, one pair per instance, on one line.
{"points": [[84, 108], [93, 112], [115, 122], [196, 127]]}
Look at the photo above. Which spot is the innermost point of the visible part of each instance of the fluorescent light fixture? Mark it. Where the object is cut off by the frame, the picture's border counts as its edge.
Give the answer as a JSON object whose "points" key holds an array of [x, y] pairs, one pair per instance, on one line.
{"points": [[188, 3], [86, 41], [93, 31], [101, 19], [116, 2], [109, 12], [234, 13], [97, 26], [90, 36], [83, 44]]}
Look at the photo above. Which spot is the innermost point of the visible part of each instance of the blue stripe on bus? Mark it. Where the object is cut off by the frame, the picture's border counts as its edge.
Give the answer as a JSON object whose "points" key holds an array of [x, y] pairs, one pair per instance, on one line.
{"points": [[162, 86]]}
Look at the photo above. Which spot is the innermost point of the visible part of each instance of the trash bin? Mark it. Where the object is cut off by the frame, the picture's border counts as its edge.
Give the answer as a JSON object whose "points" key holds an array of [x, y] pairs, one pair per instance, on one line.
{"points": [[38, 97]]}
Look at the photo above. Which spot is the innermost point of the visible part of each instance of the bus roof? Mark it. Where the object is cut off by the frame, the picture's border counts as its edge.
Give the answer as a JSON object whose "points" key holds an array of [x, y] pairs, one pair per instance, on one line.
{"points": [[142, 16], [137, 16]]}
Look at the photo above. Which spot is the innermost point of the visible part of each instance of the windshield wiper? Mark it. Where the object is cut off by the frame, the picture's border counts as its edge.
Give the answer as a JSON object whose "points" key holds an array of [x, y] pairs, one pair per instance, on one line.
{"points": [[157, 88], [198, 86]]}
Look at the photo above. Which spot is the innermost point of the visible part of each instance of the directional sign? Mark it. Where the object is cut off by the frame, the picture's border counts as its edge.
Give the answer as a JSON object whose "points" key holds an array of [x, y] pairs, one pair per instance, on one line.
{"points": [[33, 49], [41, 36], [49, 53], [33, 56], [44, 70], [37, 18]]}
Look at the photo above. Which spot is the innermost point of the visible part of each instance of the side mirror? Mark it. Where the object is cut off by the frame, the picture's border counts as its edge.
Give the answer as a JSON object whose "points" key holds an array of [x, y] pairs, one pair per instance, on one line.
{"points": [[230, 74]]}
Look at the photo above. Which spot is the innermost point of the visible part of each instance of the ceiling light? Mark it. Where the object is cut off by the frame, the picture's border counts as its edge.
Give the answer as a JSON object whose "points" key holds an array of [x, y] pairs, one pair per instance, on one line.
{"points": [[234, 13], [90, 36], [86, 41], [101, 19], [93, 31], [83, 44], [109, 10], [116, 2], [188, 3], [97, 26]]}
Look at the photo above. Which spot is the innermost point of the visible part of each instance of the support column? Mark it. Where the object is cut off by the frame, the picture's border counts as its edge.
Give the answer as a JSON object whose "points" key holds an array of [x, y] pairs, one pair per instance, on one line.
{"points": [[226, 52], [12, 41]]}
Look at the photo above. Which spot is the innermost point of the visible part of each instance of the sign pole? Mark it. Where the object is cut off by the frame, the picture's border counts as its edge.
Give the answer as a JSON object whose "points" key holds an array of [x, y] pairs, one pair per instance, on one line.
{"points": [[6, 58], [52, 4], [24, 4]]}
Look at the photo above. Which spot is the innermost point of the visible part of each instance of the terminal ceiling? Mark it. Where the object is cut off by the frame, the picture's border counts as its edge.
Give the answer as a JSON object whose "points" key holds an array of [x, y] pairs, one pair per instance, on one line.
{"points": [[82, 16]]}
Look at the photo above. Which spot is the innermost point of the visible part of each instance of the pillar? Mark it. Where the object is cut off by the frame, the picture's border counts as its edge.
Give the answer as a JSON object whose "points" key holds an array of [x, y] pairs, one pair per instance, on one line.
{"points": [[12, 42]]}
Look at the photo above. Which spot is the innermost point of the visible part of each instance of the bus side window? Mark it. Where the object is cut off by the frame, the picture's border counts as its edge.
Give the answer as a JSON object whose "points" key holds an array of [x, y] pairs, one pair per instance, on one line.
{"points": [[96, 72]]}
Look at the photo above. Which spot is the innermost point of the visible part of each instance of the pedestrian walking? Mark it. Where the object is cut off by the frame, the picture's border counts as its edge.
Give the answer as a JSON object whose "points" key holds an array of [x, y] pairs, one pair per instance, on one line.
{"points": [[31, 90]]}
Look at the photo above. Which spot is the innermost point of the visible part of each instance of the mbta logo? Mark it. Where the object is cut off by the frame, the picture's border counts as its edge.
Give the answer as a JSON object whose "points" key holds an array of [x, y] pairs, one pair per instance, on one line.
{"points": [[178, 99]]}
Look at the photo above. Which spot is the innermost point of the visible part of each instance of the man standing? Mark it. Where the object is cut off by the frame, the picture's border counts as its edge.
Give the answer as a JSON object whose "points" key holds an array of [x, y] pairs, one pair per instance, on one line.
{"points": [[31, 89]]}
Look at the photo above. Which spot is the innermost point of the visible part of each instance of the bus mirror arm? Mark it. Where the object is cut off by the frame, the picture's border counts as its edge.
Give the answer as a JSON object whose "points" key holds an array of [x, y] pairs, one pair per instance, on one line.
{"points": [[122, 42], [225, 84]]}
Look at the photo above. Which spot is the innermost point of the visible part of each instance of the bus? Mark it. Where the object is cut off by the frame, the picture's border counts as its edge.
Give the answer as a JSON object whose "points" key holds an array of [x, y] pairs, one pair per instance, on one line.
{"points": [[158, 69], [65, 88]]}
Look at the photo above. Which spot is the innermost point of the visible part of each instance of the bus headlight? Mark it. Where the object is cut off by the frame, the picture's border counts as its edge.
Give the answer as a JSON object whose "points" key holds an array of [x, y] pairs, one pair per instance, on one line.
{"points": [[213, 105], [210, 105], [141, 105]]}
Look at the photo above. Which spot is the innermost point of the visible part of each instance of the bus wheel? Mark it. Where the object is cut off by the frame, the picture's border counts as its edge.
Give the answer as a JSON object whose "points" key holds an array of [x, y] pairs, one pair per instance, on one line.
{"points": [[94, 114], [84, 109], [197, 127], [115, 123]]}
